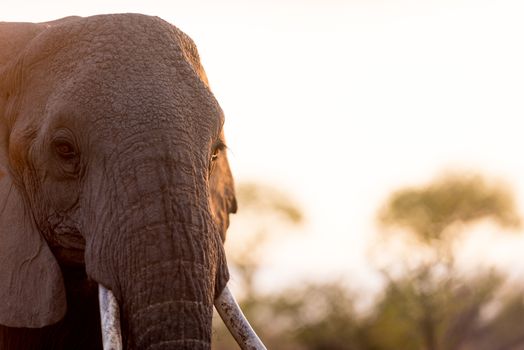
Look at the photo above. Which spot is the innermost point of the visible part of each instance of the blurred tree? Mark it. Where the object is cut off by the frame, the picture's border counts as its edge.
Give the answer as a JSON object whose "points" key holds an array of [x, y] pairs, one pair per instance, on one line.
{"points": [[431, 306], [311, 316], [417, 313], [326, 318], [435, 214]]}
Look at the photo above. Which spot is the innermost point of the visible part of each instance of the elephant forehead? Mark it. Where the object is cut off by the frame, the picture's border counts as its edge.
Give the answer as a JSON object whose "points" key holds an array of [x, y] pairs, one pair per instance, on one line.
{"points": [[164, 94], [119, 51], [125, 68], [119, 115], [113, 36]]}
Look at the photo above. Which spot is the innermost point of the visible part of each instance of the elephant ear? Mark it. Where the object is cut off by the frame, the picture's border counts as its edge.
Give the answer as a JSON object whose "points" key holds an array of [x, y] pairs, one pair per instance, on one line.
{"points": [[32, 292]]}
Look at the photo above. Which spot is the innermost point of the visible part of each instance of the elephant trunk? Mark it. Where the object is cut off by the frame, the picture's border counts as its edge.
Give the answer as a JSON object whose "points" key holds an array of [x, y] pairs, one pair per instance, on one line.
{"points": [[177, 320], [169, 279], [164, 260]]}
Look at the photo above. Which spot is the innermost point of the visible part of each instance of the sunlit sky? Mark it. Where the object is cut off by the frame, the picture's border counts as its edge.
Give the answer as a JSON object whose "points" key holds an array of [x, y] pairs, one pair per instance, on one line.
{"points": [[340, 102]]}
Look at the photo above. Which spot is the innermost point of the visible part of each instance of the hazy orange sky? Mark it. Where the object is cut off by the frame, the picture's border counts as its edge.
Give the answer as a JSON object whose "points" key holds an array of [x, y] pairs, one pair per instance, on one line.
{"points": [[341, 102]]}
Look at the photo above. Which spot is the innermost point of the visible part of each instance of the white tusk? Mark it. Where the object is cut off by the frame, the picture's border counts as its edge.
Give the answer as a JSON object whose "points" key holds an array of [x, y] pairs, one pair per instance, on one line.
{"points": [[236, 322], [225, 304], [110, 319]]}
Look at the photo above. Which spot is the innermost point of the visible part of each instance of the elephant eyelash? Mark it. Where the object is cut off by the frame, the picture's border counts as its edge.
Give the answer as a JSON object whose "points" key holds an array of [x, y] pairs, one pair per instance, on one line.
{"points": [[220, 145]]}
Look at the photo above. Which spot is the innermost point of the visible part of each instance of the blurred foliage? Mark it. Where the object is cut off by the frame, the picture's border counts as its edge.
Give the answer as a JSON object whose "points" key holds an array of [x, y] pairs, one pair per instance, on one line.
{"points": [[419, 312], [328, 320], [429, 211], [504, 330], [431, 306], [312, 316]]}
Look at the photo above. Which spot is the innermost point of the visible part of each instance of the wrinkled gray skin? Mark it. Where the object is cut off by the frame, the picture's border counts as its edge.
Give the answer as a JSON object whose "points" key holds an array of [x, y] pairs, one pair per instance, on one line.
{"points": [[112, 171]]}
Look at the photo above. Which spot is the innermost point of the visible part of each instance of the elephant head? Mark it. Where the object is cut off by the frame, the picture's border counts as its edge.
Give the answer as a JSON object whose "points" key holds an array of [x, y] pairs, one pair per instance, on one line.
{"points": [[112, 158]]}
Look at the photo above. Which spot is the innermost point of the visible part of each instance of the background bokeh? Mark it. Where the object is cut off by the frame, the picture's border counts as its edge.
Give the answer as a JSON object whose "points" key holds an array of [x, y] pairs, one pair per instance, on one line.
{"points": [[336, 109]]}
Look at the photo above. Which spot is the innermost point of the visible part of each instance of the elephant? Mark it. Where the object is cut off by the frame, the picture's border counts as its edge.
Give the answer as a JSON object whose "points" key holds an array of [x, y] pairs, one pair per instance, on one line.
{"points": [[114, 183]]}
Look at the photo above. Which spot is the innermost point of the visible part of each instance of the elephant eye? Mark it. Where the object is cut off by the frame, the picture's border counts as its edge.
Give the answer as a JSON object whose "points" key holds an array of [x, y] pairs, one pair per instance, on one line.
{"points": [[65, 149], [214, 156], [219, 146]]}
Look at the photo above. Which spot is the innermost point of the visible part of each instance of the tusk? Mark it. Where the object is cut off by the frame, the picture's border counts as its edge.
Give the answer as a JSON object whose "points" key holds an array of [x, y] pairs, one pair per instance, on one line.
{"points": [[225, 304], [110, 319], [236, 322]]}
